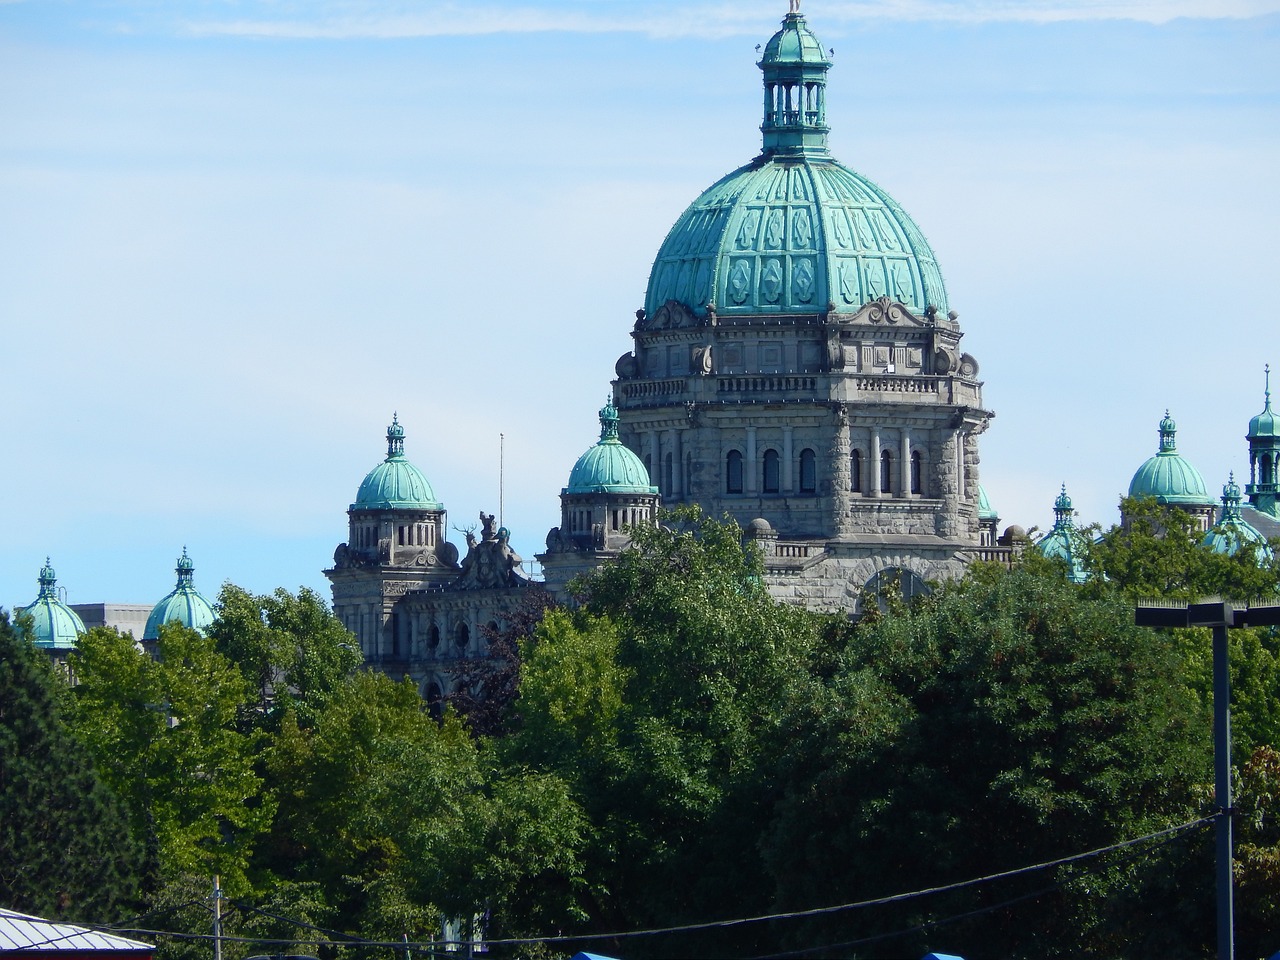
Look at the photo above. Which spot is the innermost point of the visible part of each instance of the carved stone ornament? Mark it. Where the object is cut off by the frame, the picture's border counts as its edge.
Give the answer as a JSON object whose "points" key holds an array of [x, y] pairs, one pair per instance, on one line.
{"points": [[672, 315], [968, 366], [835, 351], [944, 361], [886, 310], [702, 360], [627, 367], [490, 562]]}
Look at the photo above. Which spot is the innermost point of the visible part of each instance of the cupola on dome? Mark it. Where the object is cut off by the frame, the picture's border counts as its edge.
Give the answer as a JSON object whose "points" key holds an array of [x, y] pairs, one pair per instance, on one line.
{"points": [[794, 231], [1263, 426], [54, 625], [396, 484], [609, 467], [1167, 476], [185, 604]]}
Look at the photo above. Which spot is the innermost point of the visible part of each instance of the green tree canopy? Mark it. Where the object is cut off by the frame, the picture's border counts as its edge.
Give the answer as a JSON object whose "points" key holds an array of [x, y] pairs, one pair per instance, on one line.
{"points": [[65, 845]]}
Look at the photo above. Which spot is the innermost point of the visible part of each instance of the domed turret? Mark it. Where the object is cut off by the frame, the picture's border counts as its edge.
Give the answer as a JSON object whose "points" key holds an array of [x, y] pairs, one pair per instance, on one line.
{"points": [[395, 484], [1233, 531], [54, 625], [609, 467], [1264, 456], [1064, 541], [1167, 476], [185, 604], [794, 231]]}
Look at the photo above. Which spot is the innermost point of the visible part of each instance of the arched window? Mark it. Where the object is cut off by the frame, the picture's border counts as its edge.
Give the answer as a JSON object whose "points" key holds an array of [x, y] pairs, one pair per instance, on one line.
{"points": [[905, 583], [435, 700], [395, 633], [733, 472], [886, 471], [855, 471], [916, 480], [808, 471], [433, 637], [667, 474], [772, 471], [461, 636]]}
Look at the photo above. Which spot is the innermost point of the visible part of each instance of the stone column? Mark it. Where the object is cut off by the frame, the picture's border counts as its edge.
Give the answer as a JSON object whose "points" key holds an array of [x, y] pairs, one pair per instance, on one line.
{"points": [[655, 451], [677, 468], [839, 472], [949, 484], [904, 472], [749, 468], [873, 488], [788, 472]]}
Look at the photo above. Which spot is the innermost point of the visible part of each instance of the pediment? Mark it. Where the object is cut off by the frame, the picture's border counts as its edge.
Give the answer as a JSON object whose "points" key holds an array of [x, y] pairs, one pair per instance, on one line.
{"points": [[889, 311]]}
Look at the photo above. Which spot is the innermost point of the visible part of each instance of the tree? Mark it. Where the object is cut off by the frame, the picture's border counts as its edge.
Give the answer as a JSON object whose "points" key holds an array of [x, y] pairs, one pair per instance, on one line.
{"points": [[661, 701], [1011, 718], [65, 846], [292, 651], [165, 737], [1159, 553], [401, 820]]}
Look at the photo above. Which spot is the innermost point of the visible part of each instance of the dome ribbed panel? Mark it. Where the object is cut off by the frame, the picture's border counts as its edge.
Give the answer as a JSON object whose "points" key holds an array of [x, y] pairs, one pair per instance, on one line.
{"points": [[185, 605], [609, 467], [1170, 479], [791, 236], [55, 626], [396, 484]]}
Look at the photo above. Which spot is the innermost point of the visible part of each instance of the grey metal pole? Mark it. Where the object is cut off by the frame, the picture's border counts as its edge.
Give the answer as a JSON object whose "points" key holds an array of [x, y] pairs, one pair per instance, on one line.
{"points": [[217, 918], [1222, 790]]}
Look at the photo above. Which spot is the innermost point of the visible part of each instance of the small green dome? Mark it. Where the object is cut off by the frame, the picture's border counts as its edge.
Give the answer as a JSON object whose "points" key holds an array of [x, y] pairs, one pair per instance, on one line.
{"points": [[1233, 531], [55, 626], [185, 604], [985, 510], [793, 45], [396, 484], [609, 467], [1263, 426], [1064, 541], [1167, 477]]}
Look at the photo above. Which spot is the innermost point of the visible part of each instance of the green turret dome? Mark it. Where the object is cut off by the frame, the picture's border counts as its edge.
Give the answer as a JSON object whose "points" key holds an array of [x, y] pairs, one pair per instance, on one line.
{"points": [[1233, 530], [1064, 541], [794, 231], [185, 604], [1263, 426], [396, 484], [1168, 477], [609, 467], [54, 625]]}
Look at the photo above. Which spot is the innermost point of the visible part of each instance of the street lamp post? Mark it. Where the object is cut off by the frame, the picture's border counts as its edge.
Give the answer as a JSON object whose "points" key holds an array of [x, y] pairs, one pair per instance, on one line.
{"points": [[1220, 616]]}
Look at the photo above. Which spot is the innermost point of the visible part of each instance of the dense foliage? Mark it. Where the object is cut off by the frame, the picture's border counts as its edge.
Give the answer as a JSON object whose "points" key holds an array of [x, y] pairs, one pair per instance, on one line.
{"points": [[675, 748]]}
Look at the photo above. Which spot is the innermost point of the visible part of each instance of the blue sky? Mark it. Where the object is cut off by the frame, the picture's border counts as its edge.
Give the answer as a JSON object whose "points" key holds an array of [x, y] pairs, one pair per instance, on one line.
{"points": [[237, 236]]}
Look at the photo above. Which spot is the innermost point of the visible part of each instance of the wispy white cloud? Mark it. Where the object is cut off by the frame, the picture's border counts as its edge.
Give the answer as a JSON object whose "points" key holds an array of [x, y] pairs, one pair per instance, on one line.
{"points": [[385, 20]]}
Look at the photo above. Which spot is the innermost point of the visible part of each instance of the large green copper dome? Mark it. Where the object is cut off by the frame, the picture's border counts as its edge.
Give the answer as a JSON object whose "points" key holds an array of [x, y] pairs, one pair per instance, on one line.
{"points": [[396, 484], [55, 626], [185, 604], [794, 231], [609, 467], [1168, 477]]}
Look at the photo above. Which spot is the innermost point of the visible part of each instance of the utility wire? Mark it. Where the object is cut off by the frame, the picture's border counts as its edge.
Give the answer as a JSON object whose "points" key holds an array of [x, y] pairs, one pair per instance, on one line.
{"points": [[433, 945], [991, 908]]}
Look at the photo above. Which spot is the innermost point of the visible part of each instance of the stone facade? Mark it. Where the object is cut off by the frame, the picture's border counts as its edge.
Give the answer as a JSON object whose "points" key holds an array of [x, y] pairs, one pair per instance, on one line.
{"points": [[853, 435]]}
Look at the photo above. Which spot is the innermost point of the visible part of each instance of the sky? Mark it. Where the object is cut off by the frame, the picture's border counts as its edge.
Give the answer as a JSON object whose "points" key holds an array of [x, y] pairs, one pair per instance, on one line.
{"points": [[236, 236]]}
